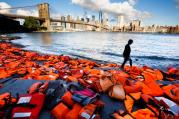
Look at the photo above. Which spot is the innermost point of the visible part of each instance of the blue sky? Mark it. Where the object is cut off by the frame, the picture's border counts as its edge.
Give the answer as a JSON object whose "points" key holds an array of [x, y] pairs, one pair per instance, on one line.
{"points": [[162, 12]]}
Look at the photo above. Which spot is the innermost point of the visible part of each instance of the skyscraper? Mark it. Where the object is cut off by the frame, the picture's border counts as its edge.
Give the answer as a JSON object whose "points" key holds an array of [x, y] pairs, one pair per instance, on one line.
{"points": [[100, 16], [120, 21], [105, 18], [135, 25], [63, 24], [87, 19], [69, 18], [78, 18], [93, 18]]}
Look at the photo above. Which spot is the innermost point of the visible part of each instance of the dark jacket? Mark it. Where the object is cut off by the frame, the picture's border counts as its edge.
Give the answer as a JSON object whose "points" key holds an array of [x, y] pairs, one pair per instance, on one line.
{"points": [[127, 51]]}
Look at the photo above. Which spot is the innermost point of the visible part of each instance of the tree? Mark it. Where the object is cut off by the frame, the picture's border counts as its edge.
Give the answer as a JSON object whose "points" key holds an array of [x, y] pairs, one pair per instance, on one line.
{"points": [[31, 23]]}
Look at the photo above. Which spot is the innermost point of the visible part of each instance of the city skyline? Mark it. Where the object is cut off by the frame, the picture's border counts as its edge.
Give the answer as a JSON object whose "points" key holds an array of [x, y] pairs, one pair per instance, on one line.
{"points": [[149, 12]]}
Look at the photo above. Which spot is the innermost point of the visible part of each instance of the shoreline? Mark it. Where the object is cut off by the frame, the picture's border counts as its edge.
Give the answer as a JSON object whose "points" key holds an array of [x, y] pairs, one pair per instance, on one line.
{"points": [[106, 32], [83, 57], [164, 68], [147, 59], [154, 33], [26, 68]]}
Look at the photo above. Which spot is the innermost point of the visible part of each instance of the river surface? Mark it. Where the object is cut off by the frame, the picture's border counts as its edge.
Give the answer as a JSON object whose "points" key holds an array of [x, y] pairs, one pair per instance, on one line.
{"points": [[155, 50]]}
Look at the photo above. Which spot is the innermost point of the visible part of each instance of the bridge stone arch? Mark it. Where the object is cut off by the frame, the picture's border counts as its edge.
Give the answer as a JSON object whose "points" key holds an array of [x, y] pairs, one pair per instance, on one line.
{"points": [[45, 14]]}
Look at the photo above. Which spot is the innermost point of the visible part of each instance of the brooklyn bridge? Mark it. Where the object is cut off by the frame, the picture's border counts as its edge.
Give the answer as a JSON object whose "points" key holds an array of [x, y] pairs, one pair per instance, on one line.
{"points": [[45, 19]]}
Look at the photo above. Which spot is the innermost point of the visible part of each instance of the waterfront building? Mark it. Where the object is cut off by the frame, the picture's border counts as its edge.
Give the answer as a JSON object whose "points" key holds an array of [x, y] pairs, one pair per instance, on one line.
{"points": [[82, 19], [120, 21], [80, 27], [78, 18], [87, 19], [135, 25], [154, 28], [147, 29], [69, 18], [100, 17], [173, 29], [93, 18], [177, 29], [105, 19], [63, 24], [120, 26], [56, 26], [69, 26], [151, 29], [162, 29]]}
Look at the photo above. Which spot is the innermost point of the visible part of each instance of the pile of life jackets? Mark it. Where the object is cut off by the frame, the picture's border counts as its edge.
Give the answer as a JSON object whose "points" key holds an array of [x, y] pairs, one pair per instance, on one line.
{"points": [[26, 106], [75, 103], [133, 85]]}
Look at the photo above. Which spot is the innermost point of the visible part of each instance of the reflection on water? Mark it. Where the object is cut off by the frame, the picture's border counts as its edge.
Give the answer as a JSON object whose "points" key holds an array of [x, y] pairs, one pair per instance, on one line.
{"points": [[46, 38], [147, 49]]}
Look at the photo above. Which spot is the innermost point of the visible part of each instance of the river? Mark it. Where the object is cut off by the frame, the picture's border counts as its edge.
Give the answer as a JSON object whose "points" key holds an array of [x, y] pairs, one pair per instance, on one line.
{"points": [[155, 50]]}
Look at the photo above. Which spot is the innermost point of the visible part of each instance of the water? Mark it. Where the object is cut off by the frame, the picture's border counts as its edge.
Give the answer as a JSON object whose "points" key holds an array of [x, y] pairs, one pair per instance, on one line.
{"points": [[155, 50]]}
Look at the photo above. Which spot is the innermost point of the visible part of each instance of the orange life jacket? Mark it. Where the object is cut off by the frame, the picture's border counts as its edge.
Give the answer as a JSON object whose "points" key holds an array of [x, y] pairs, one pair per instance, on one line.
{"points": [[159, 75], [60, 111], [119, 76], [77, 73], [67, 99], [150, 82], [87, 111], [145, 88], [144, 114], [21, 71], [172, 91], [37, 100], [129, 102], [51, 76], [132, 89], [73, 114], [4, 73], [117, 116], [34, 88], [70, 78], [2, 97]]}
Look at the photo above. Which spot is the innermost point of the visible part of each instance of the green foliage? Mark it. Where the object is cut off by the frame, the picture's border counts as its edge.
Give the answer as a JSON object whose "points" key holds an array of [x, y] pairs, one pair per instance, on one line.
{"points": [[32, 24], [42, 28]]}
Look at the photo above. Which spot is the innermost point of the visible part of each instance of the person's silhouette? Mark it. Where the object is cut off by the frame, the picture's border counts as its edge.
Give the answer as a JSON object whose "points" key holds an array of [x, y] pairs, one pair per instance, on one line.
{"points": [[126, 53]]}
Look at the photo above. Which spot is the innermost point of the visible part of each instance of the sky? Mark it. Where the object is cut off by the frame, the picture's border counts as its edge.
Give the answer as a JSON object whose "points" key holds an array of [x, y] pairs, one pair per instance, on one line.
{"points": [[159, 12]]}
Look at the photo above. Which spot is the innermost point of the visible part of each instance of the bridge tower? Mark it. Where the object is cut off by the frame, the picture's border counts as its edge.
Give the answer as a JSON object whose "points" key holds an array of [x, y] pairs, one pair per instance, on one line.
{"points": [[44, 13]]}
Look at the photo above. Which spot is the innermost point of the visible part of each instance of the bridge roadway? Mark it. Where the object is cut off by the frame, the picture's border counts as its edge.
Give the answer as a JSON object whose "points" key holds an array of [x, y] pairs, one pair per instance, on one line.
{"points": [[14, 16]]}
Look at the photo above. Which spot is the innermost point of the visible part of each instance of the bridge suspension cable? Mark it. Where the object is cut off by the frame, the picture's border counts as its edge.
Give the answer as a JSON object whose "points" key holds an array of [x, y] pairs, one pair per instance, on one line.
{"points": [[18, 7]]}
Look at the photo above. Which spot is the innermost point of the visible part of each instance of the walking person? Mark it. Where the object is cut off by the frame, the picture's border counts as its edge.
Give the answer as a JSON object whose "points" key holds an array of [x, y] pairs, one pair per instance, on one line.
{"points": [[126, 53]]}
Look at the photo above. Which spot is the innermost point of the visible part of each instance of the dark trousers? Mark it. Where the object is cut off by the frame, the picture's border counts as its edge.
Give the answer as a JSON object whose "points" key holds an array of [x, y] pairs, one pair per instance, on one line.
{"points": [[125, 60]]}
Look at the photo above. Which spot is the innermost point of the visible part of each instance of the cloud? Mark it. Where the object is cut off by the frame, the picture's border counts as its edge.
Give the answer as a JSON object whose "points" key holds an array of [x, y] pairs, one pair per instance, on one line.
{"points": [[132, 2], [27, 12], [18, 11], [55, 15], [177, 3], [125, 8], [4, 5]]}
